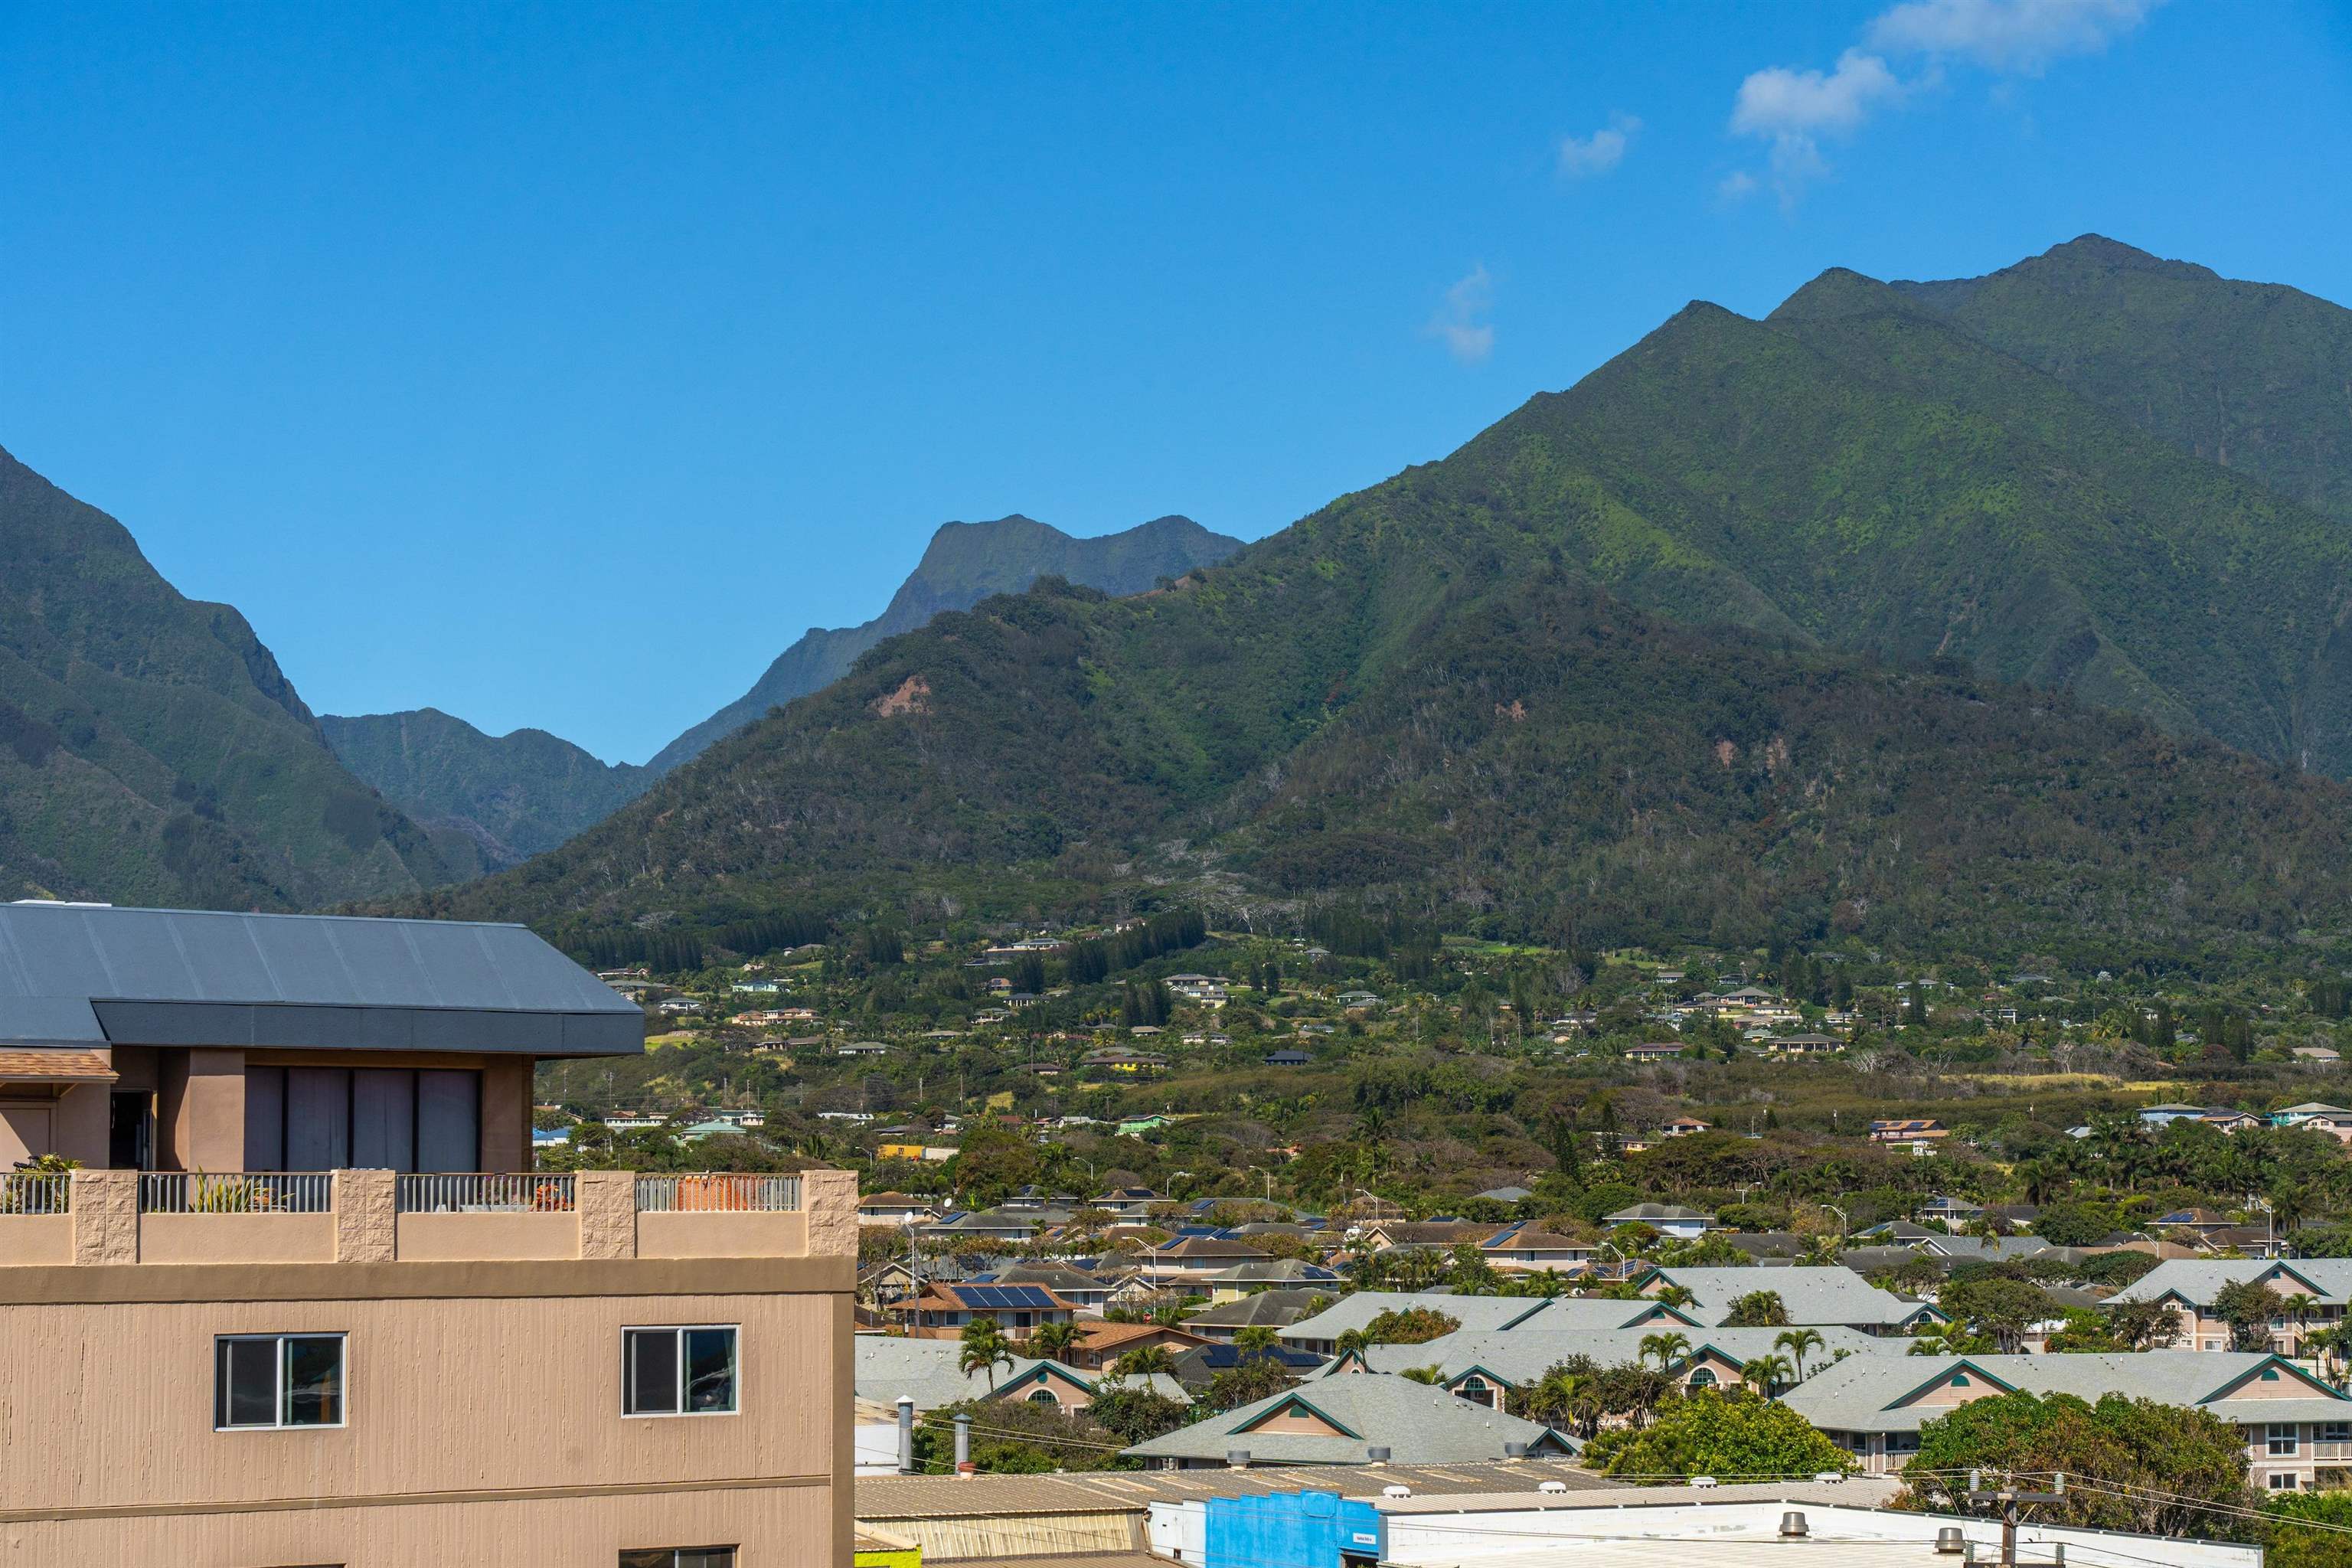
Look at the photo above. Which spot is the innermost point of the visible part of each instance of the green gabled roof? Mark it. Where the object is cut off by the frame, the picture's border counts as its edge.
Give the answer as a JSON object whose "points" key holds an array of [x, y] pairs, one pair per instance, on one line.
{"points": [[2282, 1364], [1945, 1376], [1475, 1369], [1298, 1401]]}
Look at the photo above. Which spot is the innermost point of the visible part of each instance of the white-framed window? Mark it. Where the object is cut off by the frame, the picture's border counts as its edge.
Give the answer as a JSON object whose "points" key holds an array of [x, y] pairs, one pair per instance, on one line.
{"points": [[263, 1382], [683, 1369], [1043, 1395], [680, 1557], [2285, 1481], [2336, 1432], [2282, 1443]]}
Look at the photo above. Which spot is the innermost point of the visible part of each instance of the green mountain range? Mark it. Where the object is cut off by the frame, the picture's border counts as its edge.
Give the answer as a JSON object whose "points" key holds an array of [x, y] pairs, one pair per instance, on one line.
{"points": [[964, 563], [518, 795], [514, 796], [1849, 617], [150, 749]]}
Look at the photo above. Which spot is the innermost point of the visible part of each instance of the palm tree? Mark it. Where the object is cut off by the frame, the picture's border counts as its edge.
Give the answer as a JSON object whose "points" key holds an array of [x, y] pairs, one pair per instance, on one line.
{"points": [[1674, 1295], [1797, 1341], [1145, 1362], [1557, 1399], [1765, 1374], [1255, 1339], [1055, 1342], [1667, 1347], [1432, 1374], [985, 1346], [2295, 1308]]}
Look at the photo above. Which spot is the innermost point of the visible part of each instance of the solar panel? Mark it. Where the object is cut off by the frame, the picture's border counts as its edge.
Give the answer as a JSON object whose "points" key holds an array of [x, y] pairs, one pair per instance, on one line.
{"points": [[998, 1297]]}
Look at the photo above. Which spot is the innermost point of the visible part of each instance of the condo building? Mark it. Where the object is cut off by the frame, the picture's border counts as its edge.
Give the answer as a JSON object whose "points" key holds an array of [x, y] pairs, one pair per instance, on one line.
{"points": [[302, 1300]]}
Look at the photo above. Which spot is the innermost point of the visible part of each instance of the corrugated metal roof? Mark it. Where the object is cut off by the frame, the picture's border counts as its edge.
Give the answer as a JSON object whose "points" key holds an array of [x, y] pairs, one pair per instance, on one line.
{"points": [[934, 1496], [91, 975]]}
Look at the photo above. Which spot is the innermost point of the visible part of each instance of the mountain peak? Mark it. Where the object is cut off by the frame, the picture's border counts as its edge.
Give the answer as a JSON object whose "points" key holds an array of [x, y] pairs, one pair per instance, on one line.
{"points": [[1842, 292]]}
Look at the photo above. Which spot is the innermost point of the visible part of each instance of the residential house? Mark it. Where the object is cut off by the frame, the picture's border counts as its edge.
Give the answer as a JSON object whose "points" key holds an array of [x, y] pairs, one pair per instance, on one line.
{"points": [[1485, 1368], [1126, 1202], [1668, 1219], [1802, 1045], [1105, 1343], [1287, 1059], [1815, 1297], [1920, 1134], [1195, 1258], [2297, 1429], [1683, 1127], [1196, 1368], [1654, 1051], [1354, 1421], [1275, 1308], [1321, 1333], [2192, 1286], [941, 1311], [1083, 1290], [1272, 1273], [1133, 1063], [2165, 1115], [2332, 1119]]}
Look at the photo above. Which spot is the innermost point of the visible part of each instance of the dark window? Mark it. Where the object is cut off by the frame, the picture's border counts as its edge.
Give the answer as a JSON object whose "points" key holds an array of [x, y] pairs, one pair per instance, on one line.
{"points": [[278, 1380], [678, 1372], [680, 1557], [376, 1119]]}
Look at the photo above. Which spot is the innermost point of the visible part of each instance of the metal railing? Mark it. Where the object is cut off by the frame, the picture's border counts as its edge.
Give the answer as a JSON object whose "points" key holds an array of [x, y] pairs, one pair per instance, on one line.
{"points": [[718, 1192], [232, 1192], [36, 1191], [485, 1193]]}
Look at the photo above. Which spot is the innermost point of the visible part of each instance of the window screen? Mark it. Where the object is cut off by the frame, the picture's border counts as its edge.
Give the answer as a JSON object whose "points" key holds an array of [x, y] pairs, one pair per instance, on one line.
{"points": [[262, 1381], [677, 1371]]}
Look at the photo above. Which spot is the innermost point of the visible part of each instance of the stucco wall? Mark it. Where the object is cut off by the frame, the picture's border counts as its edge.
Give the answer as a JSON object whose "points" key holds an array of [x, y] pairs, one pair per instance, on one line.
{"points": [[784, 1526], [110, 1405]]}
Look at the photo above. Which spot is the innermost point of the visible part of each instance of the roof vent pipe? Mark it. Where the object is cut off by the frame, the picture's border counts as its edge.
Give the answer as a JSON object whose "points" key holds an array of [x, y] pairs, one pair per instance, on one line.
{"points": [[1237, 1458], [1951, 1540], [1515, 1450], [1793, 1526], [1375, 1455]]}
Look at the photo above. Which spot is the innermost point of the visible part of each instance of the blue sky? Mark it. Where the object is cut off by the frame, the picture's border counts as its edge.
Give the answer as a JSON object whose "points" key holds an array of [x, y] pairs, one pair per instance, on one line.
{"points": [[559, 365]]}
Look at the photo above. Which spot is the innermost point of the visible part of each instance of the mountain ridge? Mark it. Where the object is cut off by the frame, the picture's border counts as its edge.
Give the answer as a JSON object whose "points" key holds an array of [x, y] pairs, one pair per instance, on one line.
{"points": [[963, 563]]}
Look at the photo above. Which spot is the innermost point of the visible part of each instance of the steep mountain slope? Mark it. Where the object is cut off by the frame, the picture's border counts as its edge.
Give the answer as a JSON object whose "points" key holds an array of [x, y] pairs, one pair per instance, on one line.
{"points": [[1455, 691], [150, 749], [964, 563], [2254, 376], [515, 795]]}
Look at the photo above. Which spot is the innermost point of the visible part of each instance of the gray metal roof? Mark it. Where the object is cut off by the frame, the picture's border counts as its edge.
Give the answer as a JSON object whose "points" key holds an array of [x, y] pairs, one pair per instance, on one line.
{"points": [[1877, 1394], [79, 974]]}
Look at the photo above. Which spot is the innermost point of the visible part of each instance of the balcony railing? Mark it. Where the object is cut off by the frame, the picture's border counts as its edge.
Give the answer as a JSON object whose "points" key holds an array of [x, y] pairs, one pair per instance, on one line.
{"points": [[248, 1192], [36, 1191], [478, 1193], [714, 1194]]}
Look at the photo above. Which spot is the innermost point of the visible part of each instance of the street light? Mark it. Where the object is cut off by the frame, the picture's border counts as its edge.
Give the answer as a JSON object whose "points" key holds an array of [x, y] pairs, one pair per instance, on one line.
{"points": [[1845, 1225]]}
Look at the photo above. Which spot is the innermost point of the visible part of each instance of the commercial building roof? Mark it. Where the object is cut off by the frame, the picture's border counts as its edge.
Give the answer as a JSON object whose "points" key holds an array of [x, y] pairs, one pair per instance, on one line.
{"points": [[93, 976], [953, 1497]]}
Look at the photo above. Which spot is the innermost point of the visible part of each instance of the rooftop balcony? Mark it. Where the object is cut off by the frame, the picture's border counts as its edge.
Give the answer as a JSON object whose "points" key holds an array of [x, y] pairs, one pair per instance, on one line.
{"points": [[93, 1218]]}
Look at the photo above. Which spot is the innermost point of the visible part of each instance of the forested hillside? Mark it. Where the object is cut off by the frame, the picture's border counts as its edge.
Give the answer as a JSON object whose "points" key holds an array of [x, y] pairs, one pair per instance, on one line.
{"points": [[964, 563], [151, 752]]}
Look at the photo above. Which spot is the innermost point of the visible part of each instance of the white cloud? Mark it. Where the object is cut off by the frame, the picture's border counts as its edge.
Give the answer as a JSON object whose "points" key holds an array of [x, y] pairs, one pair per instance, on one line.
{"points": [[1601, 152], [1795, 109], [1736, 186], [1460, 322], [2020, 37]]}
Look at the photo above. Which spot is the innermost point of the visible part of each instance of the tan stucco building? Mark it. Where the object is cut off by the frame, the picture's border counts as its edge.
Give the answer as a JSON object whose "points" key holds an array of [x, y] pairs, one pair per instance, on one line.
{"points": [[228, 1361]]}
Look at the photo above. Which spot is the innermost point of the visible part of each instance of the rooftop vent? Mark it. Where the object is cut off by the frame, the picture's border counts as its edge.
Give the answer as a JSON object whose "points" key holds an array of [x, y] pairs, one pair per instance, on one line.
{"points": [[1793, 1526], [1553, 1487], [1396, 1491], [1951, 1542], [1375, 1455], [1237, 1457]]}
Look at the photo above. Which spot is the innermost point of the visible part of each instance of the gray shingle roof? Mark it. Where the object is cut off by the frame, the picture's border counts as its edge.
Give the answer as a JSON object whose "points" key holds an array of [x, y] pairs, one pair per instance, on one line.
{"points": [[1358, 1310], [1831, 1294], [1865, 1394], [88, 975], [925, 1371], [2200, 1280], [1521, 1356], [1417, 1424]]}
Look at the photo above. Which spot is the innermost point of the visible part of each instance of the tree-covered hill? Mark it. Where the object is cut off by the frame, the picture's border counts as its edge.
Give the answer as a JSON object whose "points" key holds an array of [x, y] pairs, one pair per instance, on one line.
{"points": [[1842, 617], [2254, 376], [151, 750], [515, 795], [964, 563]]}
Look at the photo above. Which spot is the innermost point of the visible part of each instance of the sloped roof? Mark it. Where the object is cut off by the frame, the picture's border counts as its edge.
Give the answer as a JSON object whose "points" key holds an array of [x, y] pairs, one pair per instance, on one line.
{"points": [[2200, 1280], [1520, 1356], [1828, 1294], [1417, 1424], [1358, 1310], [1866, 1394], [75, 975], [926, 1371], [1269, 1308]]}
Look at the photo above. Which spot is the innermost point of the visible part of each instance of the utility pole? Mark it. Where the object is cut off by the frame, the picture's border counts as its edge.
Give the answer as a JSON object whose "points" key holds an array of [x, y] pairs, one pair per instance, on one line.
{"points": [[2010, 1501]]}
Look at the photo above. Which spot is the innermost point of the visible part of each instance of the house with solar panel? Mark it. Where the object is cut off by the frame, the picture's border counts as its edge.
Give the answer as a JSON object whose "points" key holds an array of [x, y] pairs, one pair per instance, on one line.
{"points": [[942, 1312], [268, 1213]]}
